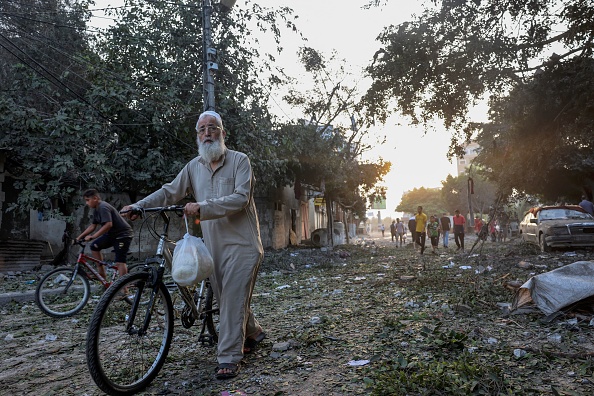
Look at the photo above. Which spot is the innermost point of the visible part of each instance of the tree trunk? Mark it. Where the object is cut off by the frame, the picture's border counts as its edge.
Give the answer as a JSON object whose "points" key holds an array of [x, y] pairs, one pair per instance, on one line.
{"points": [[330, 217]]}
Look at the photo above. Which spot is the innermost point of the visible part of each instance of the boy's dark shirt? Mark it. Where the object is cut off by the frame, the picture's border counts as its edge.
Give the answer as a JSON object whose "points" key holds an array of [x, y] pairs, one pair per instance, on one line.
{"points": [[105, 213]]}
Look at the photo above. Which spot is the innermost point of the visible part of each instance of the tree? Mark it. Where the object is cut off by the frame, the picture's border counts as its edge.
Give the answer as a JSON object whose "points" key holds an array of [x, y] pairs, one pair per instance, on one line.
{"points": [[534, 61], [454, 192], [453, 55], [322, 151], [429, 198], [117, 110], [539, 140], [161, 43], [50, 131], [484, 193]]}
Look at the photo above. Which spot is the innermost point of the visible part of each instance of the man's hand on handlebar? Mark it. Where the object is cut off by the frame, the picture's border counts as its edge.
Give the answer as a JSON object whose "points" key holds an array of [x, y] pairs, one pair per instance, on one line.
{"points": [[192, 209], [130, 212]]}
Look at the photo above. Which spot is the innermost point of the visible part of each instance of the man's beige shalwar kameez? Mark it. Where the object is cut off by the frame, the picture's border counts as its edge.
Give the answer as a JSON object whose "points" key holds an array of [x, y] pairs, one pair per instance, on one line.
{"points": [[232, 234]]}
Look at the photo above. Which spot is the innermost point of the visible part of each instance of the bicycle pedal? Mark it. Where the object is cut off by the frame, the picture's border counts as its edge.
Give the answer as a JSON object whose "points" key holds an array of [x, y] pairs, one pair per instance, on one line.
{"points": [[204, 339]]}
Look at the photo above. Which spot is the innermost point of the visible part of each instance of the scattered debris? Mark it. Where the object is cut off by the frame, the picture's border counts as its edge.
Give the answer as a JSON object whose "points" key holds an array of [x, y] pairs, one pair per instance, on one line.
{"points": [[554, 290], [358, 362], [525, 265]]}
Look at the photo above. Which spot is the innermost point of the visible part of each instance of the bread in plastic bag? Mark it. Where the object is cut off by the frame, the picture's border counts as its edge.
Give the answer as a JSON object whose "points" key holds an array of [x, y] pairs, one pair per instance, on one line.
{"points": [[192, 261]]}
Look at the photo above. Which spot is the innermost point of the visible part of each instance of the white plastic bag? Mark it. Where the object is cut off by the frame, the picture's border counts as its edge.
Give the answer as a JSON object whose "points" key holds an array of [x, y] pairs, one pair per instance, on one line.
{"points": [[192, 261]]}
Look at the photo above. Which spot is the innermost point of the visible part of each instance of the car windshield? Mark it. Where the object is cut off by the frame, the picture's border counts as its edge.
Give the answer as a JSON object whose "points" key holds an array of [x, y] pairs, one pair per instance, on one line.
{"points": [[563, 214]]}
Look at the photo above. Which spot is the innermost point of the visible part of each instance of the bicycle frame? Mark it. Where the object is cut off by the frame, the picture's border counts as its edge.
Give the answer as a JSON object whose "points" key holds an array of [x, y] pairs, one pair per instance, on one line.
{"points": [[163, 258], [83, 260], [146, 327]]}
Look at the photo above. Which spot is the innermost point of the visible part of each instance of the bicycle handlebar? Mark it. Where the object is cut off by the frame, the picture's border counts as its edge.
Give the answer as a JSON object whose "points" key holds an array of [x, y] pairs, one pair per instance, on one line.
{"points": [[170, 208], [79, 242]]}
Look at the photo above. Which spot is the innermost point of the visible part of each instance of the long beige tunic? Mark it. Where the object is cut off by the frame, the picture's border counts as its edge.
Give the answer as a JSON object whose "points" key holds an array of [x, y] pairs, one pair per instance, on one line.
{"points": [[232, 234]]}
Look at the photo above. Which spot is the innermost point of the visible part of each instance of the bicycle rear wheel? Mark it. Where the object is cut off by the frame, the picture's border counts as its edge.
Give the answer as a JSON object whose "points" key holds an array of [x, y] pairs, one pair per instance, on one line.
{"points": [[123, 355], [60, 294]]}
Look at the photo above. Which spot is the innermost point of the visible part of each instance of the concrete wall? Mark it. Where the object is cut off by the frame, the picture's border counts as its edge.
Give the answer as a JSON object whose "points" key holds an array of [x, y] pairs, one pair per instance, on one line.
{"points": [[143, 244], [276, 214], [50, 231], [279, 214]]}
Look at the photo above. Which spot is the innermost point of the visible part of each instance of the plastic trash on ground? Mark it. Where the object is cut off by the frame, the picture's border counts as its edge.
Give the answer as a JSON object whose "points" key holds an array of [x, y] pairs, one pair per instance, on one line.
{"points": [[557, 289], [358, 362]]}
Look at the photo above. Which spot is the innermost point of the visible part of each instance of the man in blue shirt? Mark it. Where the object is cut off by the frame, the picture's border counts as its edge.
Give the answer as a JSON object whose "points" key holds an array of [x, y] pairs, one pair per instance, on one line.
{"points": [[588, 206]]}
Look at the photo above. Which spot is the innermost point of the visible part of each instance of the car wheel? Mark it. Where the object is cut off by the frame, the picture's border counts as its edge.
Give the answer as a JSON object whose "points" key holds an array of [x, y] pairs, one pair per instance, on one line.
{"points": [[543, 244]]}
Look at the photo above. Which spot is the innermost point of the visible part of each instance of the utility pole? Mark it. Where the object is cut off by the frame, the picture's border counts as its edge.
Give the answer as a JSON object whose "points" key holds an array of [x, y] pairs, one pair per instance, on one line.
{"points": [[209, 53], [208, 58], [470, 192]]}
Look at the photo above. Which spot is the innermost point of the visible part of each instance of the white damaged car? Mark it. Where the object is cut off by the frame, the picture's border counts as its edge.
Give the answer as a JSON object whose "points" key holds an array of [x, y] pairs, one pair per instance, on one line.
{"points": [[565, 226]]}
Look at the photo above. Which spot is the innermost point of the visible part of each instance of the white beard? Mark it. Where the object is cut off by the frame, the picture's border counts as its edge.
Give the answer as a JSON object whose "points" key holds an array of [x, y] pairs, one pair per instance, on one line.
{"points": [[212, 151]]}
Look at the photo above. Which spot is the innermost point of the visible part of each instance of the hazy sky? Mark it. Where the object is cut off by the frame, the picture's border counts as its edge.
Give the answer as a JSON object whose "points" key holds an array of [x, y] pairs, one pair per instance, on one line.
{"points": [[418, 160]]}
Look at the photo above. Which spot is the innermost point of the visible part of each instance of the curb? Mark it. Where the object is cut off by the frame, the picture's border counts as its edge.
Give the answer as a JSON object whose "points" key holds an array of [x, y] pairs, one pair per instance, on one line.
{"points": [[18, 297]]}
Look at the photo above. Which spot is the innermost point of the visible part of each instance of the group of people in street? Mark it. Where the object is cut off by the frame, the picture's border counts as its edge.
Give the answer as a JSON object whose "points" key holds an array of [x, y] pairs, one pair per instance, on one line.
{"points": [[422, 226], [433, 226], [397, 230]]}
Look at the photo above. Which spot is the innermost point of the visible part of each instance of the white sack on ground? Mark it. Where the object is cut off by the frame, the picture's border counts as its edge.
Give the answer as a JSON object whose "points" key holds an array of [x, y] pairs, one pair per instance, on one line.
{"points": [[554, 290]]}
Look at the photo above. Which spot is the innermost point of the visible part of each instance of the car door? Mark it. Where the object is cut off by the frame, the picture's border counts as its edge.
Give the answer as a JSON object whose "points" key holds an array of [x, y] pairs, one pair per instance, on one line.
{"points": [[531, 228]]}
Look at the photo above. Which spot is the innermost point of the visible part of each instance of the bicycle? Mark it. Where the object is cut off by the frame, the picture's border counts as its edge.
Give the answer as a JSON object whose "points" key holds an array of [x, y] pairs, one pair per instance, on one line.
{"points": [[128, 345], [65, 291]]}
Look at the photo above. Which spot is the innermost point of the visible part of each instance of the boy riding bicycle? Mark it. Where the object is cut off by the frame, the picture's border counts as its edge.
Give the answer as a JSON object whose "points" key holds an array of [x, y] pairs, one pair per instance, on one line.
{"points": [[109, 229]]}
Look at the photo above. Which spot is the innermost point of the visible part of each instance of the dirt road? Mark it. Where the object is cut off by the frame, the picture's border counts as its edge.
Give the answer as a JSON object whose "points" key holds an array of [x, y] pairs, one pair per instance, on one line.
{"points": [[362, 319]]}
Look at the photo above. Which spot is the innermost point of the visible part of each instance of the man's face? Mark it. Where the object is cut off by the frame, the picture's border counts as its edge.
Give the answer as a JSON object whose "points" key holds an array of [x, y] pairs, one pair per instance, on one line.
{"points": [[208, 130], [419, 210], [92, 202]]}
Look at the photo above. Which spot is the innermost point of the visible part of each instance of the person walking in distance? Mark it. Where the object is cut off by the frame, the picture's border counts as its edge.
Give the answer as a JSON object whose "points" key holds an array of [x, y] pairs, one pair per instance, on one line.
{"points": [[587, 205], [412, 226], [459, 225], [421, 220], [433, 231], [399, 232], [446, 226], [108, 230], [382, 229], [222, 182], [393, 229]]}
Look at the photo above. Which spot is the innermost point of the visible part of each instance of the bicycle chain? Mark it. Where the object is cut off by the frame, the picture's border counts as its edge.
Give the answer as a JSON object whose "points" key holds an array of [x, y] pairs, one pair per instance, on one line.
{"points": [[187, 316]]}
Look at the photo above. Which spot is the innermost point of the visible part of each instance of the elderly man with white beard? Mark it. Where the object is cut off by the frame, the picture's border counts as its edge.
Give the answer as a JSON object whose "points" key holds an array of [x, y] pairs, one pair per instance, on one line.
{"points": [[222, 183]]}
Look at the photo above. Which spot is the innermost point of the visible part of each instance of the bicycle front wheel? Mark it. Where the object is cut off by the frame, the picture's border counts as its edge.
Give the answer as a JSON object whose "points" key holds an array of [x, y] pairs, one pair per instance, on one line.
{"points": [[60, 293], [127, 344]]}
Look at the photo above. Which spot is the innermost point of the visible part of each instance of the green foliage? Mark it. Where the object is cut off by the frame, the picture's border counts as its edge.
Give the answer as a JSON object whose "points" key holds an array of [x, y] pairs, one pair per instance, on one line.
{"points": [[532, 59], [449, 341], [450, 371], [429, 198], [459, 375], [539, 141], [116, 110], [454, 192], [455, 52]]}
